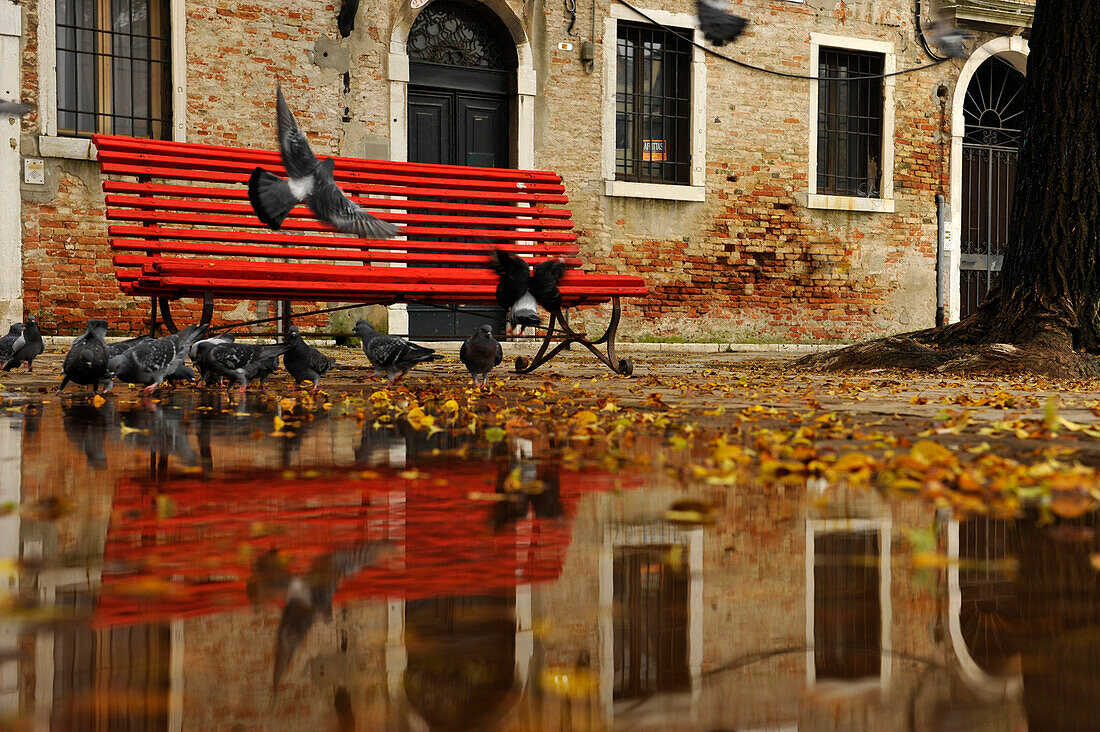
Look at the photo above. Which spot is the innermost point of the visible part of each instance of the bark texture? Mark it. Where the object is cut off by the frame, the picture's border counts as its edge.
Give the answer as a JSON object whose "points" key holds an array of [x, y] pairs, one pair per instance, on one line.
{"points": [[1046, 303]]}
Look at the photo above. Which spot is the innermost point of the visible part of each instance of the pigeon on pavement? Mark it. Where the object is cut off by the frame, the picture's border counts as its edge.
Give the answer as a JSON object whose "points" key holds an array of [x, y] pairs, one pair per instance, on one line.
{"points": [[240, 362], [9, 340], [207, 376], [120, 347], [544, 283], [950, 39], [391, 355], [480, 353], [26, 347], [309, 178], [513, 290], [14, 108], [86, 361], [151, 361], [311, 596], [718, 24], [303, 361]]}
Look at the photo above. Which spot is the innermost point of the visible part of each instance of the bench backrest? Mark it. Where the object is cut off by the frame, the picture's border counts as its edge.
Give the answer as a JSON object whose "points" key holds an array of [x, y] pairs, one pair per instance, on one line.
{"points": [[172, 199]]}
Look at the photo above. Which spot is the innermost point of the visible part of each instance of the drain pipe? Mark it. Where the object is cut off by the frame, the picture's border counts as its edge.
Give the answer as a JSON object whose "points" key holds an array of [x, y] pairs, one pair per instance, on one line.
{"points": [[941, 260]]}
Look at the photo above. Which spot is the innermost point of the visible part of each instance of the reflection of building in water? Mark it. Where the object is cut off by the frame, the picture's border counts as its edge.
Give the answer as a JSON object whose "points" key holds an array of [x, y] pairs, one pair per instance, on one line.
{"points": [[983, 609]]}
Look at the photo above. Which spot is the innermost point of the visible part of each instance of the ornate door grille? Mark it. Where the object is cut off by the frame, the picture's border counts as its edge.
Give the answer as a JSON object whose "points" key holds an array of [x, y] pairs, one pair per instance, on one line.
{"points": [[993, 112]]}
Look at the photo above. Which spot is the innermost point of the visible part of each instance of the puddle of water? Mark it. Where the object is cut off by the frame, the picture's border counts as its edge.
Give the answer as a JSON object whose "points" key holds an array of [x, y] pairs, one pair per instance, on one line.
{"points": [[194, 564]]}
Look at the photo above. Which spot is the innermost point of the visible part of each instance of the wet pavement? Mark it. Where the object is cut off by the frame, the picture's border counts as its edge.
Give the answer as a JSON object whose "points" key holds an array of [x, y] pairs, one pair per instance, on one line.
{"points": [[281, 562]]}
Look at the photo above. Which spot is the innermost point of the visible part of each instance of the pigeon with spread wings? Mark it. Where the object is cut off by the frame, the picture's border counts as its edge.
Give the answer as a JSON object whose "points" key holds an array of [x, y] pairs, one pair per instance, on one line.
{"points": [[718, 24], [513, 290], [311, 180]]}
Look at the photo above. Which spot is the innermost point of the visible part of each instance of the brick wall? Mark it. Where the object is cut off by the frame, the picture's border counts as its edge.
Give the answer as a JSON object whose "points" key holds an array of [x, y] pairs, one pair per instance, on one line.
{"points": [[750, 262]]}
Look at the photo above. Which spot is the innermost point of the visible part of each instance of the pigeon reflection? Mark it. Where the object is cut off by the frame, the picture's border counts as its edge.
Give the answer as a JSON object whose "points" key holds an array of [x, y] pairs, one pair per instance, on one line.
{"points": [[87, 427], [307, 597], [530, 488], [159, 429]]}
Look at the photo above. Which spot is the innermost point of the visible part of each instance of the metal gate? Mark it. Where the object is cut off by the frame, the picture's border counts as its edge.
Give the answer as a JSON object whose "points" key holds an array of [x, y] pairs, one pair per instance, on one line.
{"points": [[993, 112]]}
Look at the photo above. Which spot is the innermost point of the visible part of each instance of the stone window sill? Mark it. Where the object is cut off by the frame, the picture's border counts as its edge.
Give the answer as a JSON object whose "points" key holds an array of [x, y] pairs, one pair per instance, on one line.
{"points": [[851, 203], [71, 148], [628, 189]]}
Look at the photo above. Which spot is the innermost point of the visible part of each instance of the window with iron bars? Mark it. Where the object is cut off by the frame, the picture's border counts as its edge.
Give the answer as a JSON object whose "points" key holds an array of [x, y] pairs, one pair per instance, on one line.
{"points": [[652, 105], [113, 73], [849, 123]]}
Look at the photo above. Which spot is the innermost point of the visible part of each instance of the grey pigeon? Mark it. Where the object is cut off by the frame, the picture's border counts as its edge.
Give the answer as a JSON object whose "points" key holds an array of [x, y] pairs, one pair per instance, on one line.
{"points": [[26, 347], [9, 340], [950, 39], [273, 198], [86, 361], [544, 283], [208, 377], [513, 290], [303, 361], [391, 355], [120, 347], [481, 352], [718, 24], [240, 362], [311, 596], [151, 362], [14, 108]]}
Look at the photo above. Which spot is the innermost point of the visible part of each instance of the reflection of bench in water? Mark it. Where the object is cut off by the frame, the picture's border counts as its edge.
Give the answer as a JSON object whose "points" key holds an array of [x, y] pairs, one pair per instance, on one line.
{"points": [[204, 535]]}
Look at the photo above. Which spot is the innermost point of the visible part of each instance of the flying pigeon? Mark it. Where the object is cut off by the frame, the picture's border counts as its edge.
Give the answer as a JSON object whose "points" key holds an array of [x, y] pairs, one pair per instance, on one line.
{"points": [[345, 21], [950, 39], [151, 361], [391, 355], [718, 24], [240, 362], [14, 108], [311, 596], [309, 178], [9, 340], [544, 283], [512, 291], [303, 361], [480, 353], [86, 361], [26, 347]]}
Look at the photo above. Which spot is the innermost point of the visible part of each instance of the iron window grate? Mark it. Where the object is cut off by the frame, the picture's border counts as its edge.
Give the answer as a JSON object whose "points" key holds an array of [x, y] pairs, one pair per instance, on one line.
{"points": [[652, 105], [849, 123], [113, 71]]}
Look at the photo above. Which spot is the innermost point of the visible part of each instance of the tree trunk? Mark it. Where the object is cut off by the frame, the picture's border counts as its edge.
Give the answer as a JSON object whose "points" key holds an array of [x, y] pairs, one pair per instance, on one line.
{"points": [[1045, 306], [1049, 289]]}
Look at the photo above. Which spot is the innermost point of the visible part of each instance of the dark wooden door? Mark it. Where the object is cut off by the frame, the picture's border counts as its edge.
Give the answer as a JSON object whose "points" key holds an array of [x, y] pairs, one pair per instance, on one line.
{"points": [[456, 127]]}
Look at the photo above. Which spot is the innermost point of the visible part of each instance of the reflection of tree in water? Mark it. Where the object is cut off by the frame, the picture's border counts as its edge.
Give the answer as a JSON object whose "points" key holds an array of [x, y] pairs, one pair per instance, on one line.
{"points": [[1059, 596], [461, 659]]}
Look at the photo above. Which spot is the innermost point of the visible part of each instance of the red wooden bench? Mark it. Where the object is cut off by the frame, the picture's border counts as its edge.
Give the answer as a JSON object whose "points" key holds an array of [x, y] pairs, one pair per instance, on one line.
{"points": [[183, 228]]}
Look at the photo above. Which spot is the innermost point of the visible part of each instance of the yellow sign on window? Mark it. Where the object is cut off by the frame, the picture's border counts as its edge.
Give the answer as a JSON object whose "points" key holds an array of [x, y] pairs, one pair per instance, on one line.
{"points": [[653, 150]]}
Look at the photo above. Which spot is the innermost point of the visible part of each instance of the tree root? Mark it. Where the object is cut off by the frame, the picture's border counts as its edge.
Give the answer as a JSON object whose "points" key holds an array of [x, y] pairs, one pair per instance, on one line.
{"points": [[911, 351]]}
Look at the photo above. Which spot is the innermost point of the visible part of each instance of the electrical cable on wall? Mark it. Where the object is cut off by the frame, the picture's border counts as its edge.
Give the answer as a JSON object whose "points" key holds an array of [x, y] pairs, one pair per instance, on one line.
{"points": [[773, 72]]}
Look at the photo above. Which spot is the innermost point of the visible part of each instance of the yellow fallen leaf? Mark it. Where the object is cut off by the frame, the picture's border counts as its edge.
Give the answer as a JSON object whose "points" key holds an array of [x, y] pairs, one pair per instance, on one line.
{"points": [[98, 401]]}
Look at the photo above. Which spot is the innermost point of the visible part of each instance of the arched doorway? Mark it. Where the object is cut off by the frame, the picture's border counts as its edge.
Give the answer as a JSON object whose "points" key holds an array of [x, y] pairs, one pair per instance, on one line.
{"points": [[461, 104], [993, 112]]}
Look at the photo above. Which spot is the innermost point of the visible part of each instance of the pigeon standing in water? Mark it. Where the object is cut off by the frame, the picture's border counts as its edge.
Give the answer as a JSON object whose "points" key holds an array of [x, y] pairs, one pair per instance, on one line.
{"points": [[480, 353], [9, 340], [544, 283], [950, 39], [272, 197], [303, 361], [150, 362], [311, 596], [513, 290], [718, 24], [206, 376], [26, 347], [86, 361], [120, 347], [240, 362], [391, 355]]}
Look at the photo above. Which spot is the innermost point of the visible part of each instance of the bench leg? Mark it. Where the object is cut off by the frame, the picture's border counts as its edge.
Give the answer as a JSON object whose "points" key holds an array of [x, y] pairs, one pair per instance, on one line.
{"points": [[169, 321], [623, 366], [166, 316], [153, 317]]}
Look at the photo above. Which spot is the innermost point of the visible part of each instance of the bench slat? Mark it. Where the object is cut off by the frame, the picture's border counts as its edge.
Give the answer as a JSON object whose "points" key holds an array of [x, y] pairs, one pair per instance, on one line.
{"points": [[303, 212], [238, 250], [239, 194], [266, 236], [115, 147]]}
